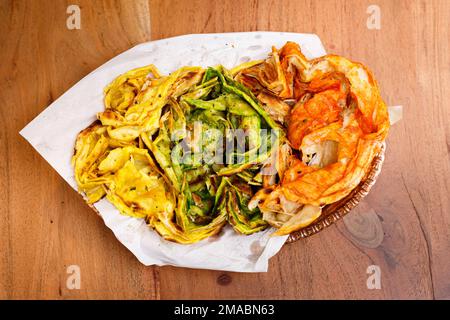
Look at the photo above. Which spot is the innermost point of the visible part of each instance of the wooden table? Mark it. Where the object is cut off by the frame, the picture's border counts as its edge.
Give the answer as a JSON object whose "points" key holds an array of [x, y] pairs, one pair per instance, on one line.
{"points": [[403, 226]]}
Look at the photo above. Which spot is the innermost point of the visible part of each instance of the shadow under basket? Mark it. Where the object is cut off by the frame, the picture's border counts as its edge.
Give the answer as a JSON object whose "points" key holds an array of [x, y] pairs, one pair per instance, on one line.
{"points": [[335, 211]]}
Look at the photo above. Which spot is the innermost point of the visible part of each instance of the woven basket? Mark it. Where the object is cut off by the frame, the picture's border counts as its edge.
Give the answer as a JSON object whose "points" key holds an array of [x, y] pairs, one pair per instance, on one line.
{"points": [[335, 211]]}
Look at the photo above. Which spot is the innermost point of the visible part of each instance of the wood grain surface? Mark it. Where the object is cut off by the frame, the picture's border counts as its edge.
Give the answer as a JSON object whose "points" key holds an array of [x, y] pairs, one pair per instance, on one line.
{"points": [[403, 226]]}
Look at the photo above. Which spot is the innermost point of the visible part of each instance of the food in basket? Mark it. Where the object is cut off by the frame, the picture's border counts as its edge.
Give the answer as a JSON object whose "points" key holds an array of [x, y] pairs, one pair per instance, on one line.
{"points": [[267, 143]]}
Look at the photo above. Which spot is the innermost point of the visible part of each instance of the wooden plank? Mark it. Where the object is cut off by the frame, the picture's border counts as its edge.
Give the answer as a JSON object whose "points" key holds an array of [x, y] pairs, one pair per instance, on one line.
{"points": [[334, 263], [45, 225], [402, 226]]}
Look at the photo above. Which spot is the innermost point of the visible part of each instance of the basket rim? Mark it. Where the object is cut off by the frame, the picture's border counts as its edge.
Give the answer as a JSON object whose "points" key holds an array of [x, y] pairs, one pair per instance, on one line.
{"points": [[339, 209]]}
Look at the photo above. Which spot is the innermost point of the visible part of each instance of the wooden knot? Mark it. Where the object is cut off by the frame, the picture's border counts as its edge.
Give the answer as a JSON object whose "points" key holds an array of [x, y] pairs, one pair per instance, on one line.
{"points": [[364, 226], [224, 279]]}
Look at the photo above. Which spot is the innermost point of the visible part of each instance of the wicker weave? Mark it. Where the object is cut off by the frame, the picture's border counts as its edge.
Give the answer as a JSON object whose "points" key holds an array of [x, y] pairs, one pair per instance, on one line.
{"points": [[335, 211]]}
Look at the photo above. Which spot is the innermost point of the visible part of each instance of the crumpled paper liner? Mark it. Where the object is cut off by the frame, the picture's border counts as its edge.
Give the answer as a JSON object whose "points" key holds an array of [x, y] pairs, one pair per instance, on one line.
{"points": [[53, 134]]}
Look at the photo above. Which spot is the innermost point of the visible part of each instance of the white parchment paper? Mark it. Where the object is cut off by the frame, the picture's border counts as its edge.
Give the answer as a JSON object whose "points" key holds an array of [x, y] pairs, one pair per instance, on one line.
{"points": [[53, 134]]}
